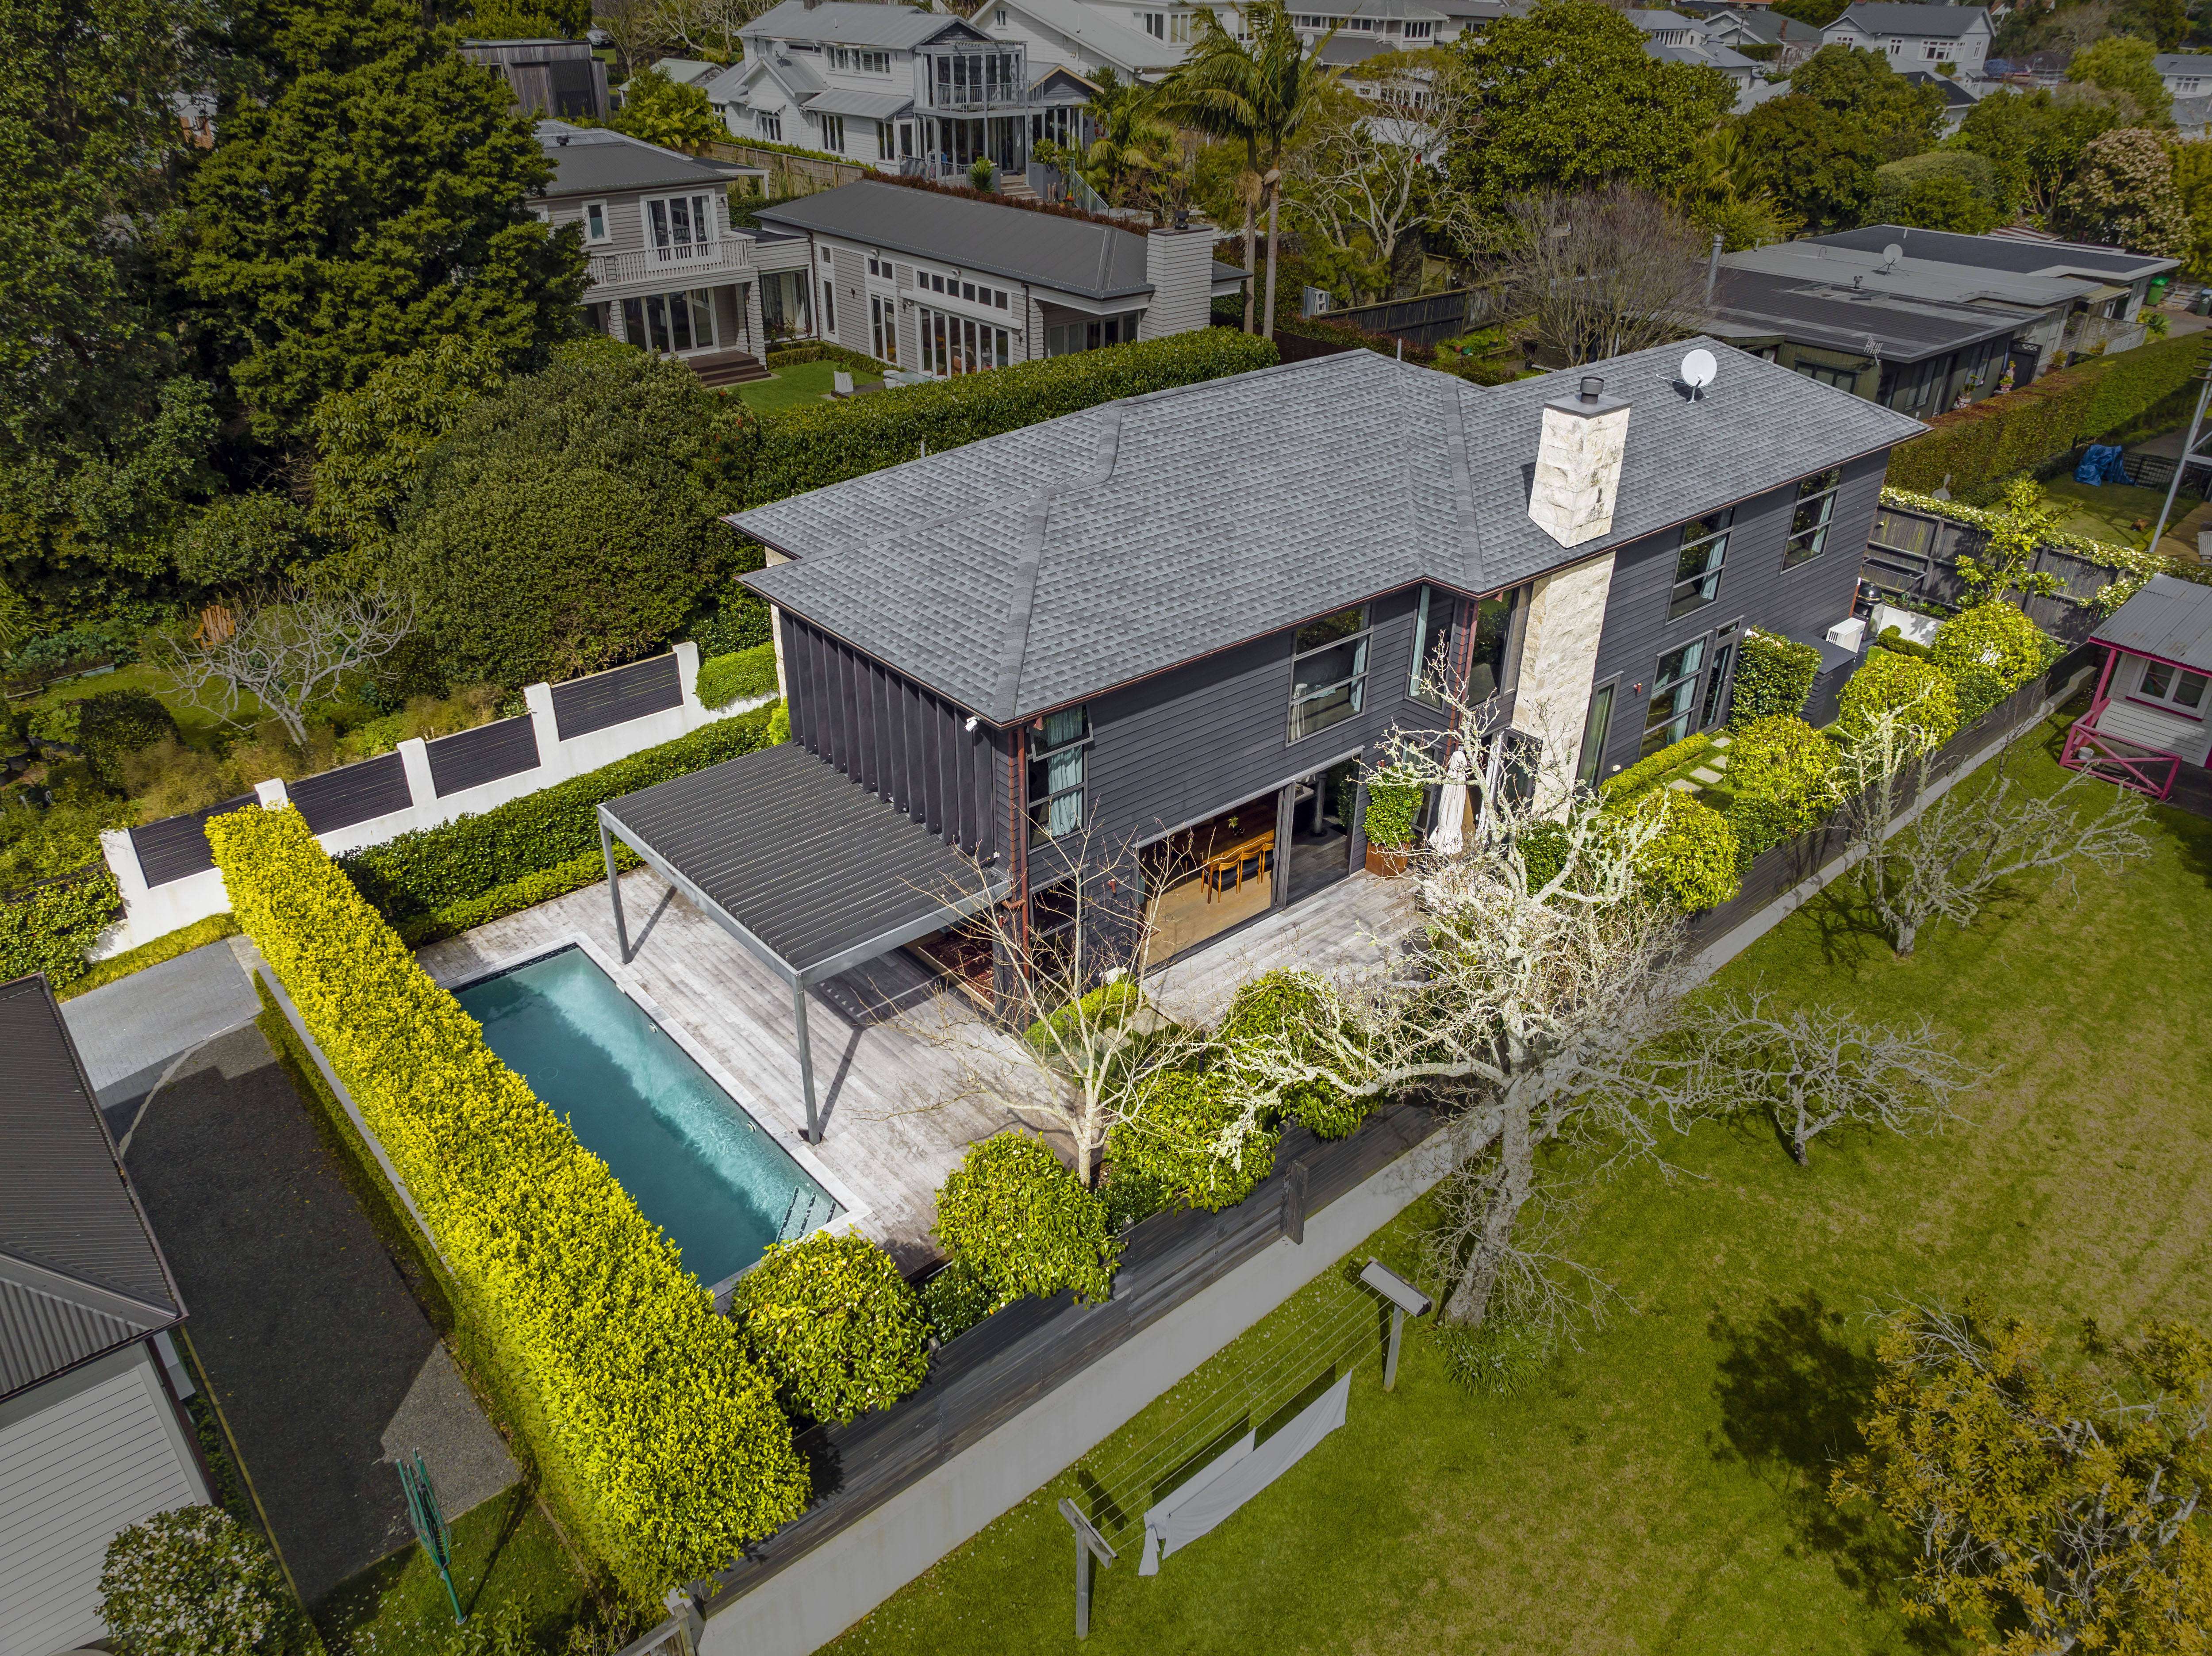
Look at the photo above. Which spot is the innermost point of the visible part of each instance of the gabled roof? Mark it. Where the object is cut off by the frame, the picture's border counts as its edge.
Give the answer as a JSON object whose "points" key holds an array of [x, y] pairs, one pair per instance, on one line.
{"points": [[1073, 255], [1943, 22], [688, 71], [854, 23], [80, 1273], [587, 160], [1037, 567], [1131, 51], [2166, 617], [1955, 96], [2183, 62]]}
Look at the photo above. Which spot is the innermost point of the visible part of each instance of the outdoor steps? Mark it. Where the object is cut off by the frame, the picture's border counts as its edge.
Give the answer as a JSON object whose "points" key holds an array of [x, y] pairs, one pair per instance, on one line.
{"points": [[735, 369], [1016, 189]]}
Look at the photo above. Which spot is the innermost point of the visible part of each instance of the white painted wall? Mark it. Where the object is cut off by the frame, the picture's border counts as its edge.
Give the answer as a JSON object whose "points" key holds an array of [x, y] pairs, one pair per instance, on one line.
{"points": [[1179, 265], [848, 1575], [148, 913]]}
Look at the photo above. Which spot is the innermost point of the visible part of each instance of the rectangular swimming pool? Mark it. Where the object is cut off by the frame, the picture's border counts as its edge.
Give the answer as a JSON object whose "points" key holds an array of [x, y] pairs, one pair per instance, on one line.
{"points": [[697, 1165]]}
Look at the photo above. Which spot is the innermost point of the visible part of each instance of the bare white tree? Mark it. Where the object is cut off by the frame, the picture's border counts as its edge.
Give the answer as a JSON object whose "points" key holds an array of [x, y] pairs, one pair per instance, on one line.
{"points": [[1087, 1043], [1809, 1069], [279, 650], [1602, 273], [1978, 836], [701, 27]]}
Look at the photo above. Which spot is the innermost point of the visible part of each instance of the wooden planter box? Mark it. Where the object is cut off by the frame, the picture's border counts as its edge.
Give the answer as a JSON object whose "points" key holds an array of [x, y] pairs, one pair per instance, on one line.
{"points": [[1388, 864]]}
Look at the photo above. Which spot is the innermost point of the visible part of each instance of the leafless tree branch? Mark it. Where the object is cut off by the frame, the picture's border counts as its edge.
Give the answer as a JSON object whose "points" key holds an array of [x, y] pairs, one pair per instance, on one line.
{"points": [[283, 649], [1602, 273]]}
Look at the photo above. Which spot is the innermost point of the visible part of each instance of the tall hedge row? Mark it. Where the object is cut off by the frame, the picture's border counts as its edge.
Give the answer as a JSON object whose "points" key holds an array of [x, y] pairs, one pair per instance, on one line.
{"points": [[789, 452], [657, 1439], [1977, 448]]}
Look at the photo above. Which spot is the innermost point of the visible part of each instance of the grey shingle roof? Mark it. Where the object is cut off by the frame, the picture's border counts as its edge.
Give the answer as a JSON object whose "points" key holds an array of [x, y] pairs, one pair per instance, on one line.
{"points": [[851, 23], [1071, 254], [2168, 617], [587, 160], [1163, 527], [79, 1270], [1946, 22]]}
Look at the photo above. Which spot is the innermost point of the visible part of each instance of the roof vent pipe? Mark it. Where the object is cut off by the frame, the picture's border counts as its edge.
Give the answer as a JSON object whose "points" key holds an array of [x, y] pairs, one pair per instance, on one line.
{"points": [[1713, 268], [1592, 388]]}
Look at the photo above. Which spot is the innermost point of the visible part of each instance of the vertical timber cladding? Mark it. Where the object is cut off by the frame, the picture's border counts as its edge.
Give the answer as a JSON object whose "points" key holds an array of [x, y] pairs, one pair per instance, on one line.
{"points": [[1801, 603], [902, 742]]}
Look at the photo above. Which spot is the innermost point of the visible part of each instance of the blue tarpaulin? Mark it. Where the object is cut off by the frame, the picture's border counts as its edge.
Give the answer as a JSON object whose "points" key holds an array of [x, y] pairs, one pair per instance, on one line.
{"points": [[2101, 463]]}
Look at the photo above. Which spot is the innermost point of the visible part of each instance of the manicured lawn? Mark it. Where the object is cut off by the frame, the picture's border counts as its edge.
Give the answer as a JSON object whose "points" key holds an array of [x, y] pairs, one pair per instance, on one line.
{"points": [[2108, 511], [800, 386], [1663, 1489], [197, 723], [505, 1552]]}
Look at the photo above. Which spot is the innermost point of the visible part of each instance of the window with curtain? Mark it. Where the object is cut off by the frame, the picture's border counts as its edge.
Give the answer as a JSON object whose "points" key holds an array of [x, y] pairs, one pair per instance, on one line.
{"points": [[1056, 775]]}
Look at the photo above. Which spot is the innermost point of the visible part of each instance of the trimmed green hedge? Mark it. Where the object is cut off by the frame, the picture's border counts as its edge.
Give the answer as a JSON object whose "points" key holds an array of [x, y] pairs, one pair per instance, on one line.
{"points": [[1015, 1216], [1977, 448], [434, 870], [733, 677], [1624, 784], [1886, 679], [1391, 810], [661, 1444], [1782, 759], [1773, 676], [166, 946], [49, 928], [1692, 863], [1169, 1152], [830, 1317], [786, 452]]}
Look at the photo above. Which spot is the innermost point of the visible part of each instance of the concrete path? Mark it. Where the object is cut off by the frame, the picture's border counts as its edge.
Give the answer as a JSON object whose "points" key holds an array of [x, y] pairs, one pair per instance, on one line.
{"points": [[131, 1030], [315, 1348]]}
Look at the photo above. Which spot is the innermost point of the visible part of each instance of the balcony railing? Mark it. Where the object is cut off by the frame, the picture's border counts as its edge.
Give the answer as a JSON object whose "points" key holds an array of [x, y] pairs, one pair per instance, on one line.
{"points": [[681, 265]]}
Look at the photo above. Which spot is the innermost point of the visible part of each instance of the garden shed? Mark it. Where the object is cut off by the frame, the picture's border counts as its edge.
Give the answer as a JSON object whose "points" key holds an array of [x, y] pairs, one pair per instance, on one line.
{"points": [[2149, 725]]}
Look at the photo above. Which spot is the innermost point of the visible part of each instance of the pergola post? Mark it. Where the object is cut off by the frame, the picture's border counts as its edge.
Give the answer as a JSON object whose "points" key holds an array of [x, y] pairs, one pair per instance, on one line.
{"points": [[806, 1058], [614, 890]]}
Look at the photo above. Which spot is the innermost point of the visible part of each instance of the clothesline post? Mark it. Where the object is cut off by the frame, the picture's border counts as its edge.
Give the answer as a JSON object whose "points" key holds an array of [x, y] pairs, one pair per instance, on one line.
{"points": [[1405, 1301], [1088, 1543]]}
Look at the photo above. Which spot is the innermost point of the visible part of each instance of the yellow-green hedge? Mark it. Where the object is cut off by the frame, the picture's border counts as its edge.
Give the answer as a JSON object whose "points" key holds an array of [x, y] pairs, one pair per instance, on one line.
{"points": [[653, 1432]]}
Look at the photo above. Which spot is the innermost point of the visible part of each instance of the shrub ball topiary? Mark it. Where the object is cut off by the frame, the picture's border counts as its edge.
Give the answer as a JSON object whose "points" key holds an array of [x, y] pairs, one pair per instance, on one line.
{"points": [[196, 1582], [1182, 1141], [1392, 808], [1692, 864], [833, 1324], [1773, 676], [1782, 759], [741, 677], [955, 1299], [1885, 681], [1995, 639], [1283, 1006], [1017, 1217], [1758, 825], [115, 723]]}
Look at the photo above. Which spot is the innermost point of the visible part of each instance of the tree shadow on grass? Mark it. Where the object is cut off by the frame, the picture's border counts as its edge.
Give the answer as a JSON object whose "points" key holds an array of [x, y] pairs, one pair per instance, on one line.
{"points": [[1851, 935], [1792, 1389]]}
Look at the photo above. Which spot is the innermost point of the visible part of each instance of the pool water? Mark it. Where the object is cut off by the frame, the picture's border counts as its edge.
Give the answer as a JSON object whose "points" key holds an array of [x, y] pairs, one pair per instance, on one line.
{"points": [[694, 1161]]}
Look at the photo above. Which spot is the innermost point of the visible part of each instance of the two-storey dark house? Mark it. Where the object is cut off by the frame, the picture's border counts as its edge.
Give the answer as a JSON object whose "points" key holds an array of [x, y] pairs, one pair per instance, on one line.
{"points": [[1154, 639]]}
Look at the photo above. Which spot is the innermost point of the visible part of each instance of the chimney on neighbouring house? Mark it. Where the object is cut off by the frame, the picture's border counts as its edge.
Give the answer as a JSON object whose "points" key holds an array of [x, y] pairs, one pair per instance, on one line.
{"points": [[1579, 465], [1179, 264]]}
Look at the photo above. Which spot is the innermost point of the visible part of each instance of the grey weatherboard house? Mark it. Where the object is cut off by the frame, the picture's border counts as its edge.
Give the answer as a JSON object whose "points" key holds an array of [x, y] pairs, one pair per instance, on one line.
{"points": [[1150, 643]]}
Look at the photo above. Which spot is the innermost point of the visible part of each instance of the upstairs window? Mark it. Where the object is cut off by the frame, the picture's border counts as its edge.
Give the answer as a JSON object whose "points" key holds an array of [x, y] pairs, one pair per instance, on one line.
{"points": [[832, 134], [1698, 564], [595, 220], [768, 125], [1056, 775], [680, 226], [1808, 525], [860, 62], [1328, 672]]}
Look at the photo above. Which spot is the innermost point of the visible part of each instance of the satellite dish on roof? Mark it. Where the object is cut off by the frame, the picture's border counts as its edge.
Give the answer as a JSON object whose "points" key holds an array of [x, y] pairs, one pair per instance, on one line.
{"points": [[1890, 254], [1698, 369]]}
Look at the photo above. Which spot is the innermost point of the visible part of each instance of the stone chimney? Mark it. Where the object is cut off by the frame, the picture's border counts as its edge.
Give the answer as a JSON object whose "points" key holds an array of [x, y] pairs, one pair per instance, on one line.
{"points": [[1579, 465]]}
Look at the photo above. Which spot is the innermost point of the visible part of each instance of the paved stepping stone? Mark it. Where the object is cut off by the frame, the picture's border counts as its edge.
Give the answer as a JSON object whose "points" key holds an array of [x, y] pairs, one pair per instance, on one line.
{"points": [[1705, 774], [1684, 783]]}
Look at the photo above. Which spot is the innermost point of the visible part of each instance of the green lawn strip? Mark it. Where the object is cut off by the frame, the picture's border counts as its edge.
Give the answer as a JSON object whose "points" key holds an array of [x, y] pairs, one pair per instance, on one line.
{"points": [[1664, 1488], [505, 1552], [197, 725], [801, 385], [166, 947]]}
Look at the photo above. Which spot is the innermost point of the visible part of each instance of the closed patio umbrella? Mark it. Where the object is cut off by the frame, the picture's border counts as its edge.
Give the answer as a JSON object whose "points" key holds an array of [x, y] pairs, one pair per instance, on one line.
{"points": [[1450, 832]]}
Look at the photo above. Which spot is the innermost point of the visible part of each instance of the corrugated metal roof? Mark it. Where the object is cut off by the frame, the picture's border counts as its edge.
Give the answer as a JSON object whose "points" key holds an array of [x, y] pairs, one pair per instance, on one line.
{"points": [[78, 1258], [1166, 526], [2169, 618], [1048, 249], [805, 858], [845, 101], [1943, 21]]}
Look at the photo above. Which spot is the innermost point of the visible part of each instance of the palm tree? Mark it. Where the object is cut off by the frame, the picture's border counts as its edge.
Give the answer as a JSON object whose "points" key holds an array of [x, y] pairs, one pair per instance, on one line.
{"points": [[1258, 89], [1131, 141]]}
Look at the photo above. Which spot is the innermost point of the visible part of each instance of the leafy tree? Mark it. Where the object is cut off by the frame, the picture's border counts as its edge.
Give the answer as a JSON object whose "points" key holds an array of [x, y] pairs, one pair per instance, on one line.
{"points": [[375, 200], [2125, 195], [1716, 192], [562, 526], [103, 440], [1815, 14], [239, 537], [2127, 66], [1134, 147], [1901, 117], [1943, 190], [1846, 115], [529, 19], [370, 441], [2034, 139], [2054, 1505], [2192, 184], [1566, 98], [667, 113]]}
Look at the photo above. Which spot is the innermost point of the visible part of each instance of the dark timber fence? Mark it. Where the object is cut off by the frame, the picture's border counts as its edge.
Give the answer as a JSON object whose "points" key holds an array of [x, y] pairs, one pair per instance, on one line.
{"points": [[1915, 555]]}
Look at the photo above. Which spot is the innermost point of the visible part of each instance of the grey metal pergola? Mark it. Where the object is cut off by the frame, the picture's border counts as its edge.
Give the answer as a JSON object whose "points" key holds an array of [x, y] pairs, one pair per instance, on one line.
{"points": [[810, 872]]}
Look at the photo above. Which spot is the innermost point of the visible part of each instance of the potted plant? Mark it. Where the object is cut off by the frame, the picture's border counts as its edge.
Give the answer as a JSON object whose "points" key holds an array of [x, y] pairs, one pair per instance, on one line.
{"points": [[1391, 810], [979, 172]]}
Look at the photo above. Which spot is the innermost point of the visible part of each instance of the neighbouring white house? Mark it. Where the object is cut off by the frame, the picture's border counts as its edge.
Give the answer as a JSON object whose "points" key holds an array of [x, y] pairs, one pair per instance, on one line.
{"points": [[2186, 73], [92, 1434], [945, 284], [1916, 37], [1083, 39], [1779, 43], [922, 93]]}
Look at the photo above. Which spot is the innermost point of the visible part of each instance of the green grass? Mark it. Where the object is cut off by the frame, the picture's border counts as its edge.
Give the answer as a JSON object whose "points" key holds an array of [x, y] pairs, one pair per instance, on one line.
{"points": [[505, 1552], [800, 386], [199, 727], [2106, 512], [1663, 1490]]}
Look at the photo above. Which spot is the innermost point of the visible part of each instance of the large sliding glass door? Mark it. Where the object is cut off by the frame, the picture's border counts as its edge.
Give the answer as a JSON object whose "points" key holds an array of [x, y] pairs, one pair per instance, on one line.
{"points": [[671, 323]]}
